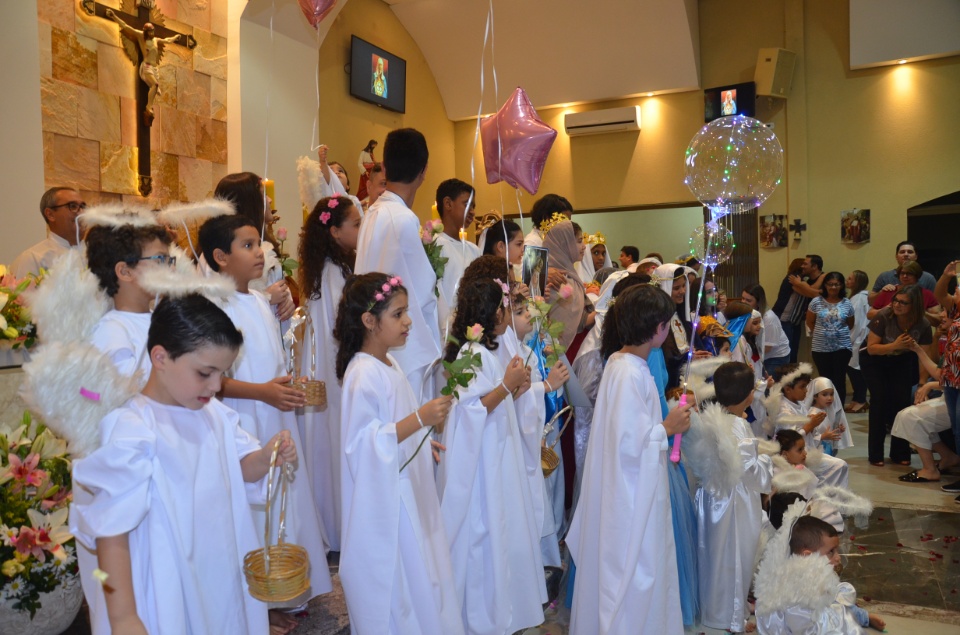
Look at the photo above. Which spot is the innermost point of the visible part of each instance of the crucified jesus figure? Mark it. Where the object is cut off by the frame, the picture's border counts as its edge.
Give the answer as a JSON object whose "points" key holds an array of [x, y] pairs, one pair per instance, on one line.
{"points": [[151, 49]]}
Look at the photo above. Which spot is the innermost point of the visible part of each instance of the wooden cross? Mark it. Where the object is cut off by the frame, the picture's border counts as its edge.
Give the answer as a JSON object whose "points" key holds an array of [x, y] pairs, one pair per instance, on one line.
{"points": [[137, 13], [797, 228]]}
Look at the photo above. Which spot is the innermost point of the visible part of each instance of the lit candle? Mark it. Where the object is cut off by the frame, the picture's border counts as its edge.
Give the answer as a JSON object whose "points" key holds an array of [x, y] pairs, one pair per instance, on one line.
{"points": [[269, 191], [463, 234]]}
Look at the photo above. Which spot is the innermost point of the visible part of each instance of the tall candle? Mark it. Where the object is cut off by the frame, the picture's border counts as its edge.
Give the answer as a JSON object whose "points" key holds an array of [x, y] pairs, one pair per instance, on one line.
{"points": [[270, 192]]}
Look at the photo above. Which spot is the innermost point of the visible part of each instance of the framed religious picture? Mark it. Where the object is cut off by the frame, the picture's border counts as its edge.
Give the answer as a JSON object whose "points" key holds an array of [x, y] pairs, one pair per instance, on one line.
{"points": [[773, 231], [534, 270], [855, 226]]}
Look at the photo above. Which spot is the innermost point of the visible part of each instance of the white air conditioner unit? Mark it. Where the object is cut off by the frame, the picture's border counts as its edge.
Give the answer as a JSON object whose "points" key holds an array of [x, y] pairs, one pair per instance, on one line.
{"points": [[624, 119]]}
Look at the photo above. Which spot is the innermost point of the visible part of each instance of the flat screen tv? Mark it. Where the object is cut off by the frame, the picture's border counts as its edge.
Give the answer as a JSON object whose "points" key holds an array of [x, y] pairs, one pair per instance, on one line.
{"points": [[736, 99], [377, 76]]}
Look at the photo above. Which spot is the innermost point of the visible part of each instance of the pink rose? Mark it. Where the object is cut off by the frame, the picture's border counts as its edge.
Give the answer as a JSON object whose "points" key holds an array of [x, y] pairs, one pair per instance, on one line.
{"points": [[333, 204], [395, 280], [386, 287], [474, 333], [282, 233], [379, 297], [324, 217], [566, 291]]}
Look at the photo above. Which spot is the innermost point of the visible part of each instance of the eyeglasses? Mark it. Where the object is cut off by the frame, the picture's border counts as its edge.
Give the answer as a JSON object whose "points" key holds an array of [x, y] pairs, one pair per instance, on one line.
{"points": [[161, 259], [900, 302], [73, 206]]}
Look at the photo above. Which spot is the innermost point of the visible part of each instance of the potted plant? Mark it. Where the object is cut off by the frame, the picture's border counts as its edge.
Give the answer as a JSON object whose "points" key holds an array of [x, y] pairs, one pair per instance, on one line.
{"points": [[39, 588]]}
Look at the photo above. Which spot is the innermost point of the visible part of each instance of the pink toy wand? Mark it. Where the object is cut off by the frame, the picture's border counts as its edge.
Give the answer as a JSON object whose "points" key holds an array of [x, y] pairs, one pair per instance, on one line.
{"points": [[678, 437]]}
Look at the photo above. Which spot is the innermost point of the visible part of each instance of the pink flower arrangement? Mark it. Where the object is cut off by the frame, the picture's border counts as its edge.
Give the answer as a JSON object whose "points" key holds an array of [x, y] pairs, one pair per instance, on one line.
{"points": [[36, 546]]}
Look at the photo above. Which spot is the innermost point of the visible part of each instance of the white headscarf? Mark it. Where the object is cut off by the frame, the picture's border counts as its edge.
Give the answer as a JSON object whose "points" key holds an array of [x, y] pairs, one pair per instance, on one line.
{"points": [[587, 270], [664, 275]]}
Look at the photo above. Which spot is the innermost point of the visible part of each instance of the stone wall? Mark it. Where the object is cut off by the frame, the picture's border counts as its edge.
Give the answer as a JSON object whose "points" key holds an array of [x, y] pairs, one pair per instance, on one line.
{"points": [[89, 104]]}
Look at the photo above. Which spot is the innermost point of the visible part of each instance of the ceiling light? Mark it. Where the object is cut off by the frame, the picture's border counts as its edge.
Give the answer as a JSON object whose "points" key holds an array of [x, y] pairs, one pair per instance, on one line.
{"points": [[901, 61], [649, 94]]}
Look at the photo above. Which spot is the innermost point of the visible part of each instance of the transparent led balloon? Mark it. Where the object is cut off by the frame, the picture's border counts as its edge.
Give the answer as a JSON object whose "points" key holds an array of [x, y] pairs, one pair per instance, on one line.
{"points": [[733, 164], [711, 244]]}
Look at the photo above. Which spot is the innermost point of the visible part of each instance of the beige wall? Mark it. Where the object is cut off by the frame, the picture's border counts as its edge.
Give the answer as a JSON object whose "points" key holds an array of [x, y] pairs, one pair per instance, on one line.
{"points": [[884, 139], [346, 123]]}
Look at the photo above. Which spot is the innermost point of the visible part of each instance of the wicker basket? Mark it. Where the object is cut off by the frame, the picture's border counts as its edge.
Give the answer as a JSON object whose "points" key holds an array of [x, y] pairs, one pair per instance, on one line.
{"points": [[314, 389], [549, 460], [277, 573]]}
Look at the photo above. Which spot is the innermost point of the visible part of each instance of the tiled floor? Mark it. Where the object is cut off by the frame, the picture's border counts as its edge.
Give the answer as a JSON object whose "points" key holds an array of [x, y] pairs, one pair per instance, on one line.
{"points": [[905, 565]]}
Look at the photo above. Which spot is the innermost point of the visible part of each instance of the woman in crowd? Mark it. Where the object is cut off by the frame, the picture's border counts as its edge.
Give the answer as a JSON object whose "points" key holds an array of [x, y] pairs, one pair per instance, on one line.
{"points": [[908, 274], [891, 368], [830, 320]]}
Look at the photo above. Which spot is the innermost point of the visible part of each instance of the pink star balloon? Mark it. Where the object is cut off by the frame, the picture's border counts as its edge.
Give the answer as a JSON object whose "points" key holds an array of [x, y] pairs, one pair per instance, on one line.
{"points": [[316, 10], [516, 143]]}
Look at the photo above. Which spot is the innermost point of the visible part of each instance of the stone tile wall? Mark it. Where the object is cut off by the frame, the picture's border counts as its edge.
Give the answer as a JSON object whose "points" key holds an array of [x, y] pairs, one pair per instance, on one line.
{"points": [[88, 100]]}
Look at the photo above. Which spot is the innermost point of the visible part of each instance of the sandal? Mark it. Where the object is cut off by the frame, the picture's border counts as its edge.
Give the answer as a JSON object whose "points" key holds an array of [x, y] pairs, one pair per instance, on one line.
{"points": [[913, 477], [877, 463], [904, 463]]}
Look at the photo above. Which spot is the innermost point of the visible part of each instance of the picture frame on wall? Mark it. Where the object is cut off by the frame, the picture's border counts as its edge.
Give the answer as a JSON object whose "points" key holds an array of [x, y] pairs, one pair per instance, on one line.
{"points": [[773, 231], [854, 226]]}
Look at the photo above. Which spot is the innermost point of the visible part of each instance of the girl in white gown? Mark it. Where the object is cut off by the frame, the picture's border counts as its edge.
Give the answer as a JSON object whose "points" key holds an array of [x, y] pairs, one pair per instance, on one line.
{"points": [[327, 248], [394, 554], [486, 502], [163, 501]]}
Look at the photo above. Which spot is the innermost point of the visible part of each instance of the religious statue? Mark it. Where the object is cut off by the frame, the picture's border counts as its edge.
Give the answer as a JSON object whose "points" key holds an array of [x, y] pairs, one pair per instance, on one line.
{"points": [[379, 83], [151, 48]]}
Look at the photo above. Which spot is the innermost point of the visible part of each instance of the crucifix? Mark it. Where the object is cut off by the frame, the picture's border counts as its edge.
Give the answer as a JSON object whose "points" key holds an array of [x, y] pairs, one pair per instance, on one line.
{"points": [[144, 36]]}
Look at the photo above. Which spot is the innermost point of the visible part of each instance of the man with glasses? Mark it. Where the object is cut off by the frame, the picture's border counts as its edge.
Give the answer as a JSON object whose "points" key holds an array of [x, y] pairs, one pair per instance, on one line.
{"points": [[59, 207]]}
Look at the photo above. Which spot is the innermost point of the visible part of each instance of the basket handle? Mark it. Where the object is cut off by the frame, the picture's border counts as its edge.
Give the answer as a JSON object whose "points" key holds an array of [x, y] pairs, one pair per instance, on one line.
{"points": [[563, 427], [285, 477]]}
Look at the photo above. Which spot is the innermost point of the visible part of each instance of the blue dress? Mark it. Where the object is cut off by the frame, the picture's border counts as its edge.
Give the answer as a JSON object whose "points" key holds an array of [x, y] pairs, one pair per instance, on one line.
{"points": [[681, 506]]}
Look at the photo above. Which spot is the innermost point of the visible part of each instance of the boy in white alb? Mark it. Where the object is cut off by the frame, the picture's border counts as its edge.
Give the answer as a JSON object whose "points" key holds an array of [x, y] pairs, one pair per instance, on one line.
{"points": [[621, 535], [390, 241], [117, 255], [452, 198], [729, 518], [259, 387]]}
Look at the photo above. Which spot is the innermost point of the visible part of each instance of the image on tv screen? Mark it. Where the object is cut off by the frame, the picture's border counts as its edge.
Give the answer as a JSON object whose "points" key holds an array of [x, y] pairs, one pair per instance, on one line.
{"points": [[377, 77]]}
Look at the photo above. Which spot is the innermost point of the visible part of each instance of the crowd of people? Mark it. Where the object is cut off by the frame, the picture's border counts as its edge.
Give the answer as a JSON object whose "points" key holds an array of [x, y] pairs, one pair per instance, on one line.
{"points": [[450, 378]]}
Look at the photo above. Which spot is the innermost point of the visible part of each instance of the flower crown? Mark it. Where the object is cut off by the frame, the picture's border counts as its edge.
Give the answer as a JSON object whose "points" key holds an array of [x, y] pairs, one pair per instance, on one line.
{"points": [[595, 239], [385, 291], [506, 292], [332, 204], [552, 222]]}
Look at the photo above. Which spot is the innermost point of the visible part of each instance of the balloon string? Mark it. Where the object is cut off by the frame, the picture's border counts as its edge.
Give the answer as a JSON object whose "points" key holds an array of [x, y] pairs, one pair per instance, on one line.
{"points": [[314, 137], [266, 141]]}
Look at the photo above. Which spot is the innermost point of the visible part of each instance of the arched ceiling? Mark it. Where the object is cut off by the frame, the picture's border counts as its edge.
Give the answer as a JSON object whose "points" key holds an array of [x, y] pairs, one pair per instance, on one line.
{"points": [[559, 51]]}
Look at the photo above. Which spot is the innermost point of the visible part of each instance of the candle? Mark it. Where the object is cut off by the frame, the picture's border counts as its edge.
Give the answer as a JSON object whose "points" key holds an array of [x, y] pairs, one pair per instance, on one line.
{"points": [[271, 194], [463, 234]]}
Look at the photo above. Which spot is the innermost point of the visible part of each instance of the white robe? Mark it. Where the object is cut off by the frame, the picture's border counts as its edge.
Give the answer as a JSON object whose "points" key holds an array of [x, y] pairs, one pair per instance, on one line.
{"points": [[261, 359], [394, 556], [122, 336], [389, 242], [487, 510], [728, 527], [170, 477], [830, 470], [320, 428], [621, 536], [459, 254], [922, 424], [531, 417]]}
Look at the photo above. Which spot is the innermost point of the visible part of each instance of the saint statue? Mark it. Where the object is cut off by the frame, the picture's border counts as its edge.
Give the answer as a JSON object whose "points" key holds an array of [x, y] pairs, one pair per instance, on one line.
{"points": [[151, 48]]}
